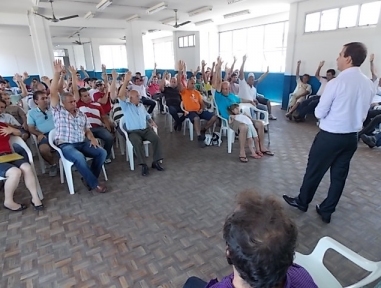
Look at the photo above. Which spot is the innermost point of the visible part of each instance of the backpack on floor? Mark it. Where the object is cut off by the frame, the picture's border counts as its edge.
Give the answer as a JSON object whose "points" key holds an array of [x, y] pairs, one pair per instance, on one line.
{"points": [[213, 139]]}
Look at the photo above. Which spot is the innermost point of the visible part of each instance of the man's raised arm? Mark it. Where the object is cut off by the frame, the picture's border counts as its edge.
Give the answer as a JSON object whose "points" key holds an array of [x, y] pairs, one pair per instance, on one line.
{"points": [[54, 95]]}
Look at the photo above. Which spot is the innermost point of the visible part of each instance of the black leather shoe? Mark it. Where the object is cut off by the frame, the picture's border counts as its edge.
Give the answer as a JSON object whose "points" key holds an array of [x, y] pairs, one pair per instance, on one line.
{"points": [[292, 201], [145, 170], [325, 219], [37, 208], [156, 165]]}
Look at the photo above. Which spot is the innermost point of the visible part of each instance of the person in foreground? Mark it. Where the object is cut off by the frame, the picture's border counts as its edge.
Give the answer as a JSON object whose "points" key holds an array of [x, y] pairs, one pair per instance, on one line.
{"points": [[342, 109], [73, 134], [139, 126], [260, 245]]}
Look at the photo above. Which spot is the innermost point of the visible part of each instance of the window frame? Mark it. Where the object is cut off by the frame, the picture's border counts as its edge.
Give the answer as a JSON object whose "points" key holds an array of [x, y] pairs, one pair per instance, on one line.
{"points": [[187, 37]]}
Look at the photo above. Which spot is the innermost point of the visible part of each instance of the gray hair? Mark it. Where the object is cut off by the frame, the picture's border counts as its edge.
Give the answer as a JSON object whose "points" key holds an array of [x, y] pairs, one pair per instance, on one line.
{"points": [[64, 95]]}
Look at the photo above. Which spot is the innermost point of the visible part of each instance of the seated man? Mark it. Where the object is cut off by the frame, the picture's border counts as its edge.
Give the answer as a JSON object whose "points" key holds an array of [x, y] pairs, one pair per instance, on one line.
{"points": [[98, 119], [302, 90], [12, 172], [138, 85], [260, 245], [224, 99], [308, 106], [102, 96], [136, 118], [154, 90], [173, 100], [194, 107], [372, 140], [73, 135], [40, 123]]}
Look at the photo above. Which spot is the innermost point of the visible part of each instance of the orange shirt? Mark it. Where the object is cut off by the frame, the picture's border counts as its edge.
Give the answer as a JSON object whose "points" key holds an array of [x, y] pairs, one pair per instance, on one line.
{"points": [[192, 100]]}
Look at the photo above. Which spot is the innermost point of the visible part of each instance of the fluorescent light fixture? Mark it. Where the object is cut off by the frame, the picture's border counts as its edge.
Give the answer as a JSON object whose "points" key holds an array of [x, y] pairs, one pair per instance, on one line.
{"points": [[103, 4], [89, 15], [133, 17], [234, 1], [204, 22], [200, 10], [236, 14], [168, 20], [156, 8]]}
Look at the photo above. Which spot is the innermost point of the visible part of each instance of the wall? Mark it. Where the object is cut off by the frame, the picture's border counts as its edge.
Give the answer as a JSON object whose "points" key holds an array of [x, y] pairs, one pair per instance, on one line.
{"points": [[191, 55], [209, 39]]}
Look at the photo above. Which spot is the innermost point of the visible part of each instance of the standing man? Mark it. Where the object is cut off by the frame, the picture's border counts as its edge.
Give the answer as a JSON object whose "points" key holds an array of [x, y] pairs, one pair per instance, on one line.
{"points": [[341, 110]]}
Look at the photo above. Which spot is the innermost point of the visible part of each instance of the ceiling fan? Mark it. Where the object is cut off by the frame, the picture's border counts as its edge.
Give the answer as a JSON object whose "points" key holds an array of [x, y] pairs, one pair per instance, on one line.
{"points": [[79, 42], [181, 24], [54, 18]]}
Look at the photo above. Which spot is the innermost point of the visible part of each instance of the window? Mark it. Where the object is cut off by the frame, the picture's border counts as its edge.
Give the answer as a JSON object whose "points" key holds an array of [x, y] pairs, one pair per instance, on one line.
{"points": [[345, 17], [348, 16], [187, 41], [312, 22], [163, 54], [370, 13], [113, 56], [264, 45], [328, 20]]}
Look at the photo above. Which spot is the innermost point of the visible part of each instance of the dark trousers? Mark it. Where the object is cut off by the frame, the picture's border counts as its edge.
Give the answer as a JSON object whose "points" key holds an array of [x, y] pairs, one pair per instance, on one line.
{"points": [[173, 110], [194, 282], [369, 117], [308, 106], [138, 136], [158, 97], [369, 126], [107, 138], [328, 151], [150, 103]]}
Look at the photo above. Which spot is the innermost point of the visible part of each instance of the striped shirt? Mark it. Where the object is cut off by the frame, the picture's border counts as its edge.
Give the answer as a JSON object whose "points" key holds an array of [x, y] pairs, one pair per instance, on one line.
{"points": [[93, 111], [69, 128], [117, 112], [296, 277]]}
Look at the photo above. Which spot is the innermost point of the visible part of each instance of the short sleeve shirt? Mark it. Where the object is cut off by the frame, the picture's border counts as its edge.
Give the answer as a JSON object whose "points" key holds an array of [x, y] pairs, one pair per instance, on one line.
{"points": [[43, 122], [16, 112], [192, 100], [246, 92], [106, 107], [224, 102]]}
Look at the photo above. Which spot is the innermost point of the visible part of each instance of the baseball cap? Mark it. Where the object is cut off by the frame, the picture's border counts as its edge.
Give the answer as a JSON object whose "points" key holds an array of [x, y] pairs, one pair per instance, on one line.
{"points": [[250, 75], [99, 83]]}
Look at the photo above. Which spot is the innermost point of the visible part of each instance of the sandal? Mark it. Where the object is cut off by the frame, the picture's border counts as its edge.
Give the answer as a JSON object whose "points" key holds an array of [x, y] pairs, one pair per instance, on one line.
{"points": [[268, 153], [22, 207], [243, 159], [256, 156]]}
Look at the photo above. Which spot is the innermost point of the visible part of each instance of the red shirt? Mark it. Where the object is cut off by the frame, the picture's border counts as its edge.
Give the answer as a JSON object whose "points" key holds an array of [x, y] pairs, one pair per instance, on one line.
{"points": [[106, 107], [5, 147], [153, 89], [93, 111]]}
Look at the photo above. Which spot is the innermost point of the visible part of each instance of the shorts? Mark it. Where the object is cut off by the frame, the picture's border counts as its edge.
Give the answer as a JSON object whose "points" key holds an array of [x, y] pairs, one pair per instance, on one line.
{"points": [[262, 100], [23, 131], [4, 167], [205, 115], [44, 140], [251, 132]]}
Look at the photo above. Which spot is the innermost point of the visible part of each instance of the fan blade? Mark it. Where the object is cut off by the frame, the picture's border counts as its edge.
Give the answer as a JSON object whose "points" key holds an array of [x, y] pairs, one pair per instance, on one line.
{"points": [[47, 18], [68, 17], [184, 23], [77, 42]]}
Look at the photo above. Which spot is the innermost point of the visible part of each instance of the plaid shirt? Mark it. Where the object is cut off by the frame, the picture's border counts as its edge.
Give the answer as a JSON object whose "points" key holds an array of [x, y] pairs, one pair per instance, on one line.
{"points": [[69, 128]]}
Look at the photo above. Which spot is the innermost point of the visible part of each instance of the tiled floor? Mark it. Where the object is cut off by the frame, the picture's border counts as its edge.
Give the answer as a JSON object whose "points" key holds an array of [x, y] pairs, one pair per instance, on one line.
{"points": [[159, 230]]}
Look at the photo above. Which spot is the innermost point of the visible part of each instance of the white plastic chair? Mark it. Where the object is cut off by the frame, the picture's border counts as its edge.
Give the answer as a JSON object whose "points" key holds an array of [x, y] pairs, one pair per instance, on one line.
{"points": [[40, 159], [129, 147], [189, 124], [313, 263], [225, 129], [19, 141], [65, 165], [247, 107]]}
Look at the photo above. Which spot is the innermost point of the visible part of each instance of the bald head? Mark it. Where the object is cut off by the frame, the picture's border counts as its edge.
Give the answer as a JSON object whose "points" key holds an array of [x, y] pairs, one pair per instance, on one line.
{"points": [[173, 82], [225, 88], [134, 97]]}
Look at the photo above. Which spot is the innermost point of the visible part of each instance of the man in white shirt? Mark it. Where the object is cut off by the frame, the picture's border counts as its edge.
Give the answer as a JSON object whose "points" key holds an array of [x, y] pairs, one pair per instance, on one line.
{"points": [[308, 106], [138, 85], [341, 110]]}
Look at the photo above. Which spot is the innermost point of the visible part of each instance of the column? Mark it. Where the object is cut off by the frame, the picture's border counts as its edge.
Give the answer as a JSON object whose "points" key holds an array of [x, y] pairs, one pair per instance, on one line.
{"points": [[89, 60], [134, 47], [42, 44]]}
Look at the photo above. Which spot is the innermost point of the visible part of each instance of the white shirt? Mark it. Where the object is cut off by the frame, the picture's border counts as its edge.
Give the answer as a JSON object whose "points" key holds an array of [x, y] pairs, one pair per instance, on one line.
{"points": [[246, 92], [301, 87], [243, 119], [323, 82], [345, 102], [141, 89]]}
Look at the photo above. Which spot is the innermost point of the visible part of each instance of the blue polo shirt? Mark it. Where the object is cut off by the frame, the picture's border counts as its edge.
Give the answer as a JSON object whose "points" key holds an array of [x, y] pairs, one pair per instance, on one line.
{"points": [[224, 102], [135, 117], [37, 118]]}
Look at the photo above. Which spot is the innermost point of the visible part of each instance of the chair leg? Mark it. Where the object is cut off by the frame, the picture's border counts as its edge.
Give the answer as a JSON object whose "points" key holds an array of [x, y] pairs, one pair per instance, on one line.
{"points": [[185, 125], [146, 149], [268, 135], [69, 177], [130, 155], [170, 122], [190, 131], [104, 172], [39, 191], [61, 171], [112, 153]]}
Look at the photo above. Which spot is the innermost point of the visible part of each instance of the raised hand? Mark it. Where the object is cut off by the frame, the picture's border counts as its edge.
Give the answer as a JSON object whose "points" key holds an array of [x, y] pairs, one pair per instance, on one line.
{"points": [[268, 69], [234, 59], [203, 63], [371, 58], [104, 68], [45, 79], [155, 65], [25, 75], [321, 64], [82, 68], [299, 62], [128, 76], [244, 58], [114, 74], [17, 77], [57, 66], [72, 70]]}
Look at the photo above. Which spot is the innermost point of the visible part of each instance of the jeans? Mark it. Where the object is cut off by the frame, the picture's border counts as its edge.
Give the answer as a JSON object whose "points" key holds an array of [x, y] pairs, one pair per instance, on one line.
{"points": [[103, 134], [173, 110], [77, 153], [373, 124], [149, 102], [378, 139], [195, 282]]}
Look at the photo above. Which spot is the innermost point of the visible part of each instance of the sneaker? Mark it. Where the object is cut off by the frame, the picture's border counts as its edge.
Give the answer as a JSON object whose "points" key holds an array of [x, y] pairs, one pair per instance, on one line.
{"points": [[271, 117], [53, 170], [108, 161], [369, 140], [201, 141]]}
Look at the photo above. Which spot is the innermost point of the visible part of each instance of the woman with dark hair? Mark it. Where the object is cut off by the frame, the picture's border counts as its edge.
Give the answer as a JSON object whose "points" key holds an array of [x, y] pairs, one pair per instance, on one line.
{"points": [[260, 245]]}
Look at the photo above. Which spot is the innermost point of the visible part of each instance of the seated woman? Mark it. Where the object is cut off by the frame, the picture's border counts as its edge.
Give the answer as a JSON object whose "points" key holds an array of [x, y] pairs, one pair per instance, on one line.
{"points": [[260, 245], [12, 172]]}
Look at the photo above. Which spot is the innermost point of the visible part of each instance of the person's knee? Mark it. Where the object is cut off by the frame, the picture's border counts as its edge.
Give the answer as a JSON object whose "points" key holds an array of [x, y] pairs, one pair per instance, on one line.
{"points": [[13, 173], [44, 149], [102, 153], [26, 168], [242, 128]]}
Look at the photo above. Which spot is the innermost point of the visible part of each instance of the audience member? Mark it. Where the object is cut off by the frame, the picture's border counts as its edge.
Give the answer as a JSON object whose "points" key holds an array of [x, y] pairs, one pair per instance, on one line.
{"points": [[73, 134], [136, 118], [260, 245], [138, 85], [102, 96]]}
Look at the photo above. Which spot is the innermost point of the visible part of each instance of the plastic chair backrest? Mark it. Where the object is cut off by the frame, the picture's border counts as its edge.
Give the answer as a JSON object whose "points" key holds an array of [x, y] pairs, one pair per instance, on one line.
{"points": [[19, 141], [52, 135]]}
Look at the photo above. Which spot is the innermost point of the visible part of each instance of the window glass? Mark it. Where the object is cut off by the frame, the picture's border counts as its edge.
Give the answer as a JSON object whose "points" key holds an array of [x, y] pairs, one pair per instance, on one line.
{"points": [[312, 22], [181, 42], [348, 16], [113, 56], [328, 19], [163, 55], [370, 13]]}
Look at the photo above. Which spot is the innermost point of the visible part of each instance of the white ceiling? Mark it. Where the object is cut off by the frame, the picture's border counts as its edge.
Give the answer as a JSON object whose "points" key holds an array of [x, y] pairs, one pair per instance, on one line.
{"points": [[113, 17]]}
